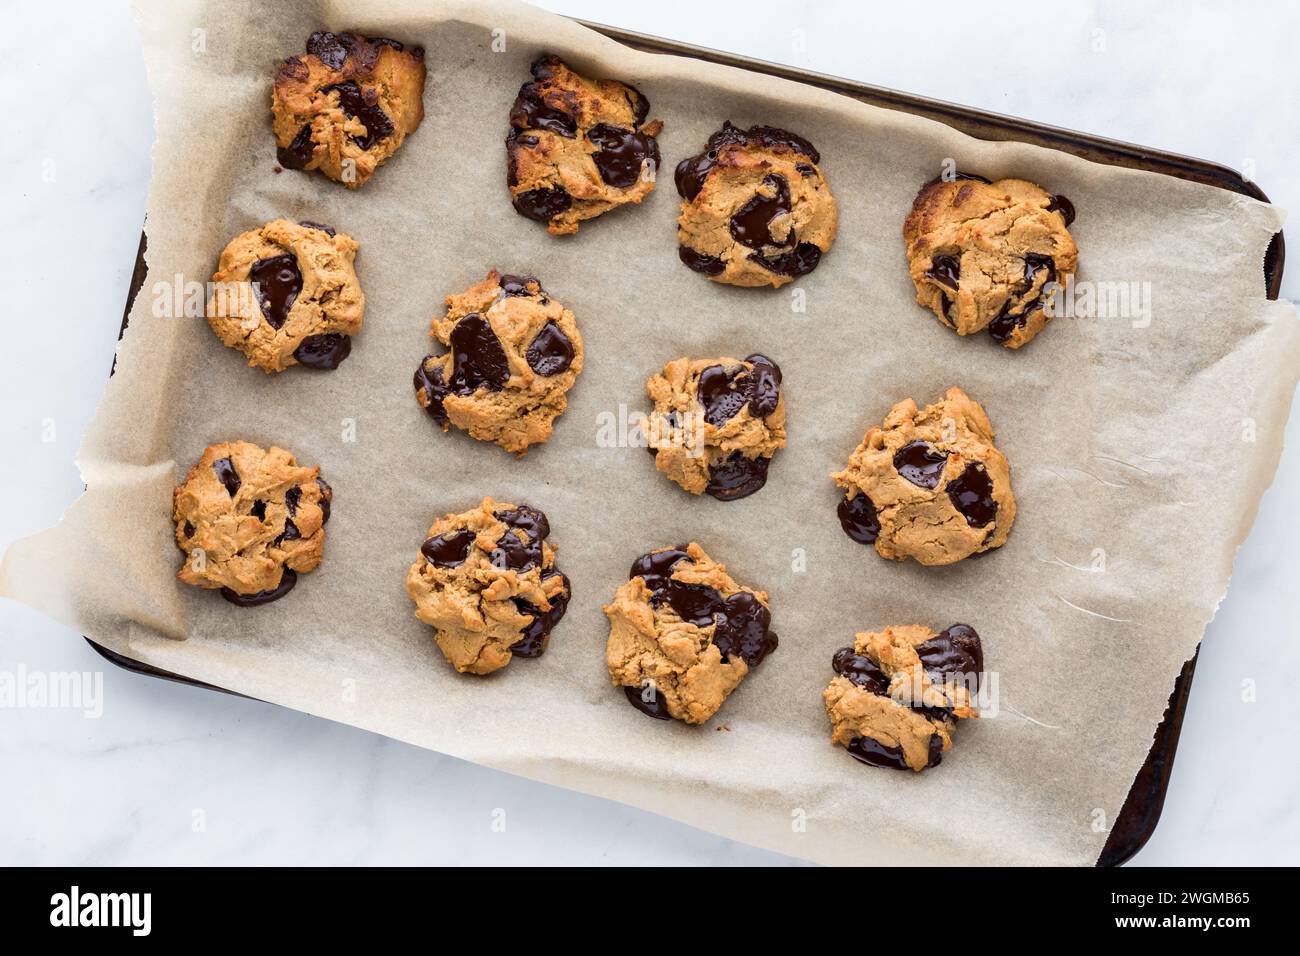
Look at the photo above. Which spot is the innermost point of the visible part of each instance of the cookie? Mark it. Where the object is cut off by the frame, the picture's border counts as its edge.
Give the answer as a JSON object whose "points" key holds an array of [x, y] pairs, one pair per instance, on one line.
{"points": [[249, 520], [513, 354], [929, 484], [347, 104], [987, 256], [487, 583], [716, 423], [756, 209], [287, 294], [683, 634], [578, 148], [898, 693]]}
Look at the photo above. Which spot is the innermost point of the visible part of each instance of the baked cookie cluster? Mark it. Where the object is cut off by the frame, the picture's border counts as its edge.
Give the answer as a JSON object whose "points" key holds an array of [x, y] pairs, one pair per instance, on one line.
{"points": [[513, 352], [990, 256], [716, 423], [347, 104], [683, 634], [487, 583], [928, 484], [577, 147], [287, 294], [898, 693]]}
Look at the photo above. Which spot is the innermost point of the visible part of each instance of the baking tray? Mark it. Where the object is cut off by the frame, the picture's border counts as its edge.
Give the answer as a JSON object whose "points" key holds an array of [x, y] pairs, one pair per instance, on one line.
{"points": [[1141, 810]]}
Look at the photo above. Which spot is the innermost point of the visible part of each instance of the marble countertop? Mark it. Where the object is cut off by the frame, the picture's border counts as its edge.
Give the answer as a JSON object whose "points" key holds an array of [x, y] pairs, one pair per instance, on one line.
{"points": [[171, 774]]}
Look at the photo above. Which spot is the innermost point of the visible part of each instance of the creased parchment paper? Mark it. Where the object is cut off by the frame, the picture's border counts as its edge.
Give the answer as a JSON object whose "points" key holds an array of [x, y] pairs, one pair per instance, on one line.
{"points": [[1138, 454]]}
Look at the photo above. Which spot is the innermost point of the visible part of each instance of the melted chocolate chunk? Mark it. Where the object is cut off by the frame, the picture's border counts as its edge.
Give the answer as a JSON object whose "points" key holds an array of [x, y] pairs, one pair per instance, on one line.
{"points": [[737, 476], [656, 706], [1064, 207], [920, 463], [719, 396], [511, 551], [226, 474], [621, 153], [288, 579], [326, 495], [957, 651], [1005, 323], [323, 351], [657, 566], [551, 352], [709, 265], [291, 532], [330, 48], [858, 518], [765, 387], [538, 632], [448, 550], [861, 670], [188, 530], [800, 261], [478, 360], [299, 152], [276, 283], [291, 499], [430, 381], [530, 111], [308, 224], [519, 285], [945, 270], [750, 226], [872, 752], [259, 510], [542, 204], [362, 104], [972, 494], [692, 171]]}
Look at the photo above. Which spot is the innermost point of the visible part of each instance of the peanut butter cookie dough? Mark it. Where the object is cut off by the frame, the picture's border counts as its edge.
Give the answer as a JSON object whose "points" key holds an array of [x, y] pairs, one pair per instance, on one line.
{"points": [[756, 209], [347, 104], [249, 520], [899, 693], [513, 354], [716, 423], [985, 255], [486, 581], [683, 634], [929, 484], [287, 294], [578, 148]]}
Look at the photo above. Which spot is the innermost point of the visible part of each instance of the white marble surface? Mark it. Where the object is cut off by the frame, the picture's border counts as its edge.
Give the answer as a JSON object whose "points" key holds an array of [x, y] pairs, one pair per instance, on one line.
{"points": [[169, 774]]}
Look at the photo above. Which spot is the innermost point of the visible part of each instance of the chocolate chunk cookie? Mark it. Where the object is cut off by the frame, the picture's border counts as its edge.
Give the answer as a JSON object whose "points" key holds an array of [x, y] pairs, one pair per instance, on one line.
{"points": [[486, 581], [929, 484], [249, 520], [988, 255], [578, 148], [683, 634], [287, 294], [756, 209], [347, 104], [514, 353], [898, 694], [716, 423]]}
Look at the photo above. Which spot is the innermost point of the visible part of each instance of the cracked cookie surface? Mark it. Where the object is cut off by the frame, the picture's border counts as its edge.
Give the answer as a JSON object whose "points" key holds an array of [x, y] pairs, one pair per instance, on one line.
{"points": [[683, 634], [347, 104], [287, 294], [898, 693], [487, 583], [249, 520], [928, 484], [513, 354], [716, 423], [578, 148], [756, 209], [984, 256]]}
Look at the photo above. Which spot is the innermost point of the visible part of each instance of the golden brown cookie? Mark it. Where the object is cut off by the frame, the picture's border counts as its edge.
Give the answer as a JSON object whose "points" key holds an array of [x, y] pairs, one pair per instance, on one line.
{"points": [[578, 148], [347, 104], [989, 255], [287, 294], [513, 354], [248, 520], [898, 693], [929, 484], [486, 582], [716, 423], [756, 209], [683, 634]]}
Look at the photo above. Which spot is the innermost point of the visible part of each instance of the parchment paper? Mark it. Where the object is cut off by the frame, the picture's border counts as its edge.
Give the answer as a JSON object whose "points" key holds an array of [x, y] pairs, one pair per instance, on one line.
{"points": [[1152, 445]]}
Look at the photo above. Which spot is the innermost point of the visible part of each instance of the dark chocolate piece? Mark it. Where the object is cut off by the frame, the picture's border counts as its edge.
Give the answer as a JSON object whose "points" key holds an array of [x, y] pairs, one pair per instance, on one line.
{"points": [[276, 283], [921, 463], [323, 351], [226, 474], [972, 494], [288, 579], [858, 518]]}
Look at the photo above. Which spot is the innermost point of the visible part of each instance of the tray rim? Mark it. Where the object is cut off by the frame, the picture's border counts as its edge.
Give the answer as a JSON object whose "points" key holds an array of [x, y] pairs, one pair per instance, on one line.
{"points": [[1142, 810]]}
